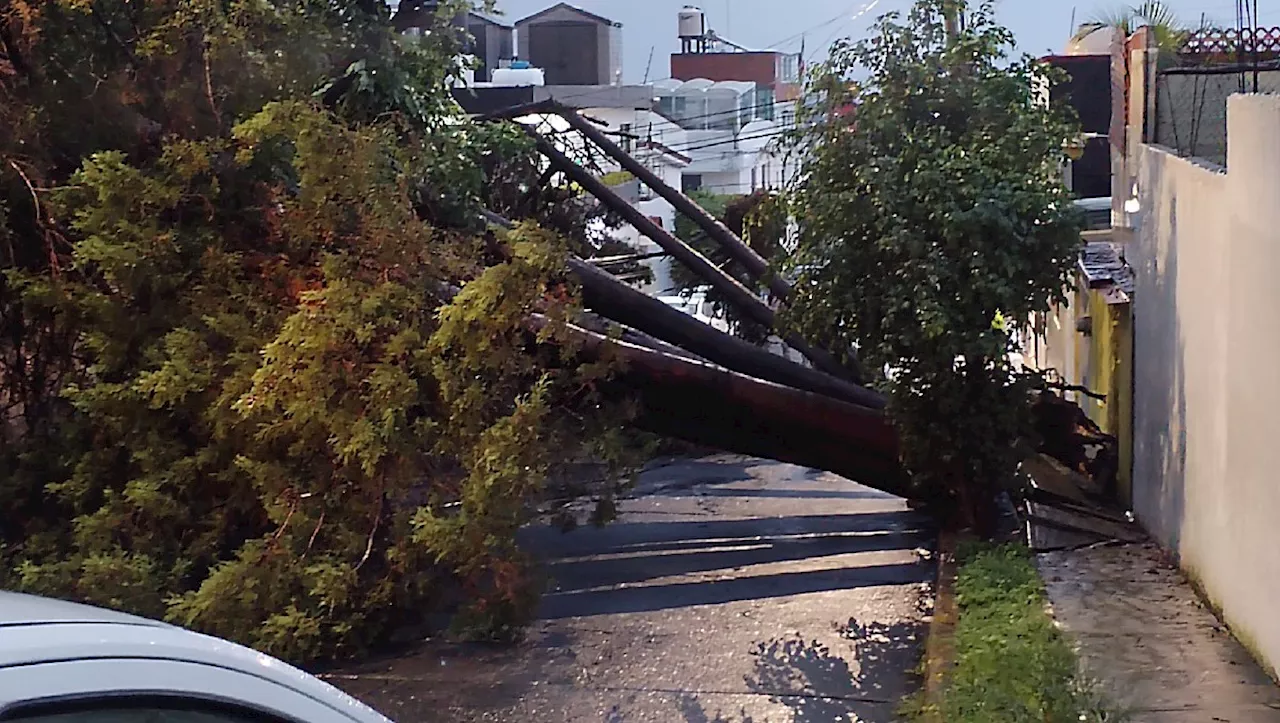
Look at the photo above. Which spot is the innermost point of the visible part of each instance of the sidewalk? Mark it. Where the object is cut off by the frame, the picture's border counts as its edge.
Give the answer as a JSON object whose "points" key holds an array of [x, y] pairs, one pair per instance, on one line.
{"points": [[1160, 654]]}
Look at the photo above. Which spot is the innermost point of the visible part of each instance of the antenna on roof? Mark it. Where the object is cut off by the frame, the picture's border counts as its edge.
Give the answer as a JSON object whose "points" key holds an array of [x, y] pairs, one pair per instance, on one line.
{"points": [[649, 65]]}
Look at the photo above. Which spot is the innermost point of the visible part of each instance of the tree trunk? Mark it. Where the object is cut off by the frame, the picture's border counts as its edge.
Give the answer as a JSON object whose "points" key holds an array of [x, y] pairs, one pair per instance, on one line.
{"points": [[615, 300], [715, 407]]}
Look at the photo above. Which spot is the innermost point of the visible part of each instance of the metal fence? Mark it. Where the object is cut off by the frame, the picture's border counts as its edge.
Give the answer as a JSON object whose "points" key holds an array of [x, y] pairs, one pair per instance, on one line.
{"points": [[1193, 84], [1191, 106]]}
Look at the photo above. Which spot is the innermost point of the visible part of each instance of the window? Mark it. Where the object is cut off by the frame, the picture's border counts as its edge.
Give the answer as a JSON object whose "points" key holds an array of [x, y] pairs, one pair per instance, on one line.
{"points": [[753, 179], [789, 68], [764, 103], [746, 108], [690, 182]]}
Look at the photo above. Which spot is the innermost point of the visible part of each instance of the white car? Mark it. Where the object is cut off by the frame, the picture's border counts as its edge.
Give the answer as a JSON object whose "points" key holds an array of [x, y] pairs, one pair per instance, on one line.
{"points": [[62, 662]]}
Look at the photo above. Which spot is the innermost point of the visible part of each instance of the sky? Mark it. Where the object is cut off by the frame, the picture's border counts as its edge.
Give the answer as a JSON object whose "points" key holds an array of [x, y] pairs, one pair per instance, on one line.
{"points": [[1041, 26]]}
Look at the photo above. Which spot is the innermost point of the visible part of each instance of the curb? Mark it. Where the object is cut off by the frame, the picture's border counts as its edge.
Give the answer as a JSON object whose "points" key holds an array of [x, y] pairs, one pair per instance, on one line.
{"points": [[939, 647]]}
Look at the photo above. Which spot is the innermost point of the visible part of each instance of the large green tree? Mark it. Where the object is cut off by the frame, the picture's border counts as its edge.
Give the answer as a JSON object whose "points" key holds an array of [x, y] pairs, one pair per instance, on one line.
{"points": [[933, 218], [261, 371]]}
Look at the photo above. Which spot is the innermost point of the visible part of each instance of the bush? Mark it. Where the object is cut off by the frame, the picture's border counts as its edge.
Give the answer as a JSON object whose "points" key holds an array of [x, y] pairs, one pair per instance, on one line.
{"points": [[243, 391]]}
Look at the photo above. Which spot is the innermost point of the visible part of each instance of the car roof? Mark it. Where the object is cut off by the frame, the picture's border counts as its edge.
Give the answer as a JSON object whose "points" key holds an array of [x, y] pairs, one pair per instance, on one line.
{"points": [[20, 609], [35, 630]]}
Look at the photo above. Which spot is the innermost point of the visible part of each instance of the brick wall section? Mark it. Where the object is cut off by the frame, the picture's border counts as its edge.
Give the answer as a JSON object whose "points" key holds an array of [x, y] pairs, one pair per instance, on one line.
{"points": [[761, 68]]}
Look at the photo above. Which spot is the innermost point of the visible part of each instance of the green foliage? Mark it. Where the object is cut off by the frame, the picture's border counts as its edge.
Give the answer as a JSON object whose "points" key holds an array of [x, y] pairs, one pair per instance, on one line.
{"points": [[1012, 663], [1168, 29], [931, 210], [240, 387], [758, 219], [617, 178]]}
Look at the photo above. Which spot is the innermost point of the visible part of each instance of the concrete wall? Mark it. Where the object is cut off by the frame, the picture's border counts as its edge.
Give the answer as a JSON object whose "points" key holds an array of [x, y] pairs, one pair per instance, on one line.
{"points": [[1206, 343]]}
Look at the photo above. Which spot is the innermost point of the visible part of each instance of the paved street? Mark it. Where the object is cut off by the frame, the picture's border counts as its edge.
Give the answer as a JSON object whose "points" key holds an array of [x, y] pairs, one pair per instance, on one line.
{"points": [[731, 590]]}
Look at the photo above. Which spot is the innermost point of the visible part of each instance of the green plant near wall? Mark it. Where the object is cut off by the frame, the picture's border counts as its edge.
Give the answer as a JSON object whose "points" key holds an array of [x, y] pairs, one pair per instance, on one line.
{"points": [[1169, 30], [928, 216]]}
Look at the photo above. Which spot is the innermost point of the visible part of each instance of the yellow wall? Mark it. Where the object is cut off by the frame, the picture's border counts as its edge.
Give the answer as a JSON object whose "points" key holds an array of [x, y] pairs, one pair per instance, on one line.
{"points": [[1109, 372], [1102, 363]]}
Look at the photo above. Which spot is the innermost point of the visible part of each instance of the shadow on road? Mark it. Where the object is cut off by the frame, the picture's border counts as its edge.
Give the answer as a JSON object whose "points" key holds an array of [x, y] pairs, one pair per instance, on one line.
{"points": [[712, 477], [681, 544], [791, 671], [601, 571], [615, 601], [635, 537]]}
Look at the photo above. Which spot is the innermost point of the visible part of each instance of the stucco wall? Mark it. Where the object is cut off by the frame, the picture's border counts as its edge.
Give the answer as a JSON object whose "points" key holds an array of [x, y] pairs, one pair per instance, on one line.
{"points": [[1206, 344]]}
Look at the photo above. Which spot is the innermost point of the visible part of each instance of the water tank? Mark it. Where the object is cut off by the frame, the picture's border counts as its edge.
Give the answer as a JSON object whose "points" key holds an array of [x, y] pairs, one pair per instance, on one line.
{"points": [[519, 77], [693, 23], [1092, 39]]}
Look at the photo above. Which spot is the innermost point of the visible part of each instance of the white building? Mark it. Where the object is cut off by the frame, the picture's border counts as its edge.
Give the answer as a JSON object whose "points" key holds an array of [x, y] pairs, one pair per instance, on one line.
{"points": [[732, 138]]}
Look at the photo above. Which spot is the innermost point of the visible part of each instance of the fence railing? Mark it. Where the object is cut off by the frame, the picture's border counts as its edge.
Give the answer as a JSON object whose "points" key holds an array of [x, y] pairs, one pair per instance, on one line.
{"points": [[1194, 82]]}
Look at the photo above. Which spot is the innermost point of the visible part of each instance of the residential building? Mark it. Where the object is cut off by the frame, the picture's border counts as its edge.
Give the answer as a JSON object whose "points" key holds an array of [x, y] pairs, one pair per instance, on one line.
{"points": [[572, 46], [1088, 89], [733, 142], [490, 43], [1086, 343], [704, 54], [1171, 328]]}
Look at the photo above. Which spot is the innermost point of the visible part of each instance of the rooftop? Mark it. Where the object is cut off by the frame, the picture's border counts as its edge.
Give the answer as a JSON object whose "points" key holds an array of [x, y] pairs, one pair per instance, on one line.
{"points": [[566, 6]]}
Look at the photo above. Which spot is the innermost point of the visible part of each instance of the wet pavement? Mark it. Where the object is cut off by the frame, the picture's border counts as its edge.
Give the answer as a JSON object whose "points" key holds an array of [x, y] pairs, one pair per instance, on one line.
{"points": [[1160, 655], [731, 590]]}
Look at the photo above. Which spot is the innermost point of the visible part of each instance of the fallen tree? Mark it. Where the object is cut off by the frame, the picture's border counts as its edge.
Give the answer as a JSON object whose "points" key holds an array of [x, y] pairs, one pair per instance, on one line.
{"points": [[734, 293], [625, 305], [234, 394], [231, 395]]}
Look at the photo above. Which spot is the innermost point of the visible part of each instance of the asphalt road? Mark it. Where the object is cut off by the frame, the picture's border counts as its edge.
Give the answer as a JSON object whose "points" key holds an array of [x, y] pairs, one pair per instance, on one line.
{"points": [[731, 590]]}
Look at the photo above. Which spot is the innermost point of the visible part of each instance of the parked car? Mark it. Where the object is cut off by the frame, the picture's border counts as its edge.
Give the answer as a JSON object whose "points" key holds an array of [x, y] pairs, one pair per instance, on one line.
{"points": [[1097, 213], [62, 662]]}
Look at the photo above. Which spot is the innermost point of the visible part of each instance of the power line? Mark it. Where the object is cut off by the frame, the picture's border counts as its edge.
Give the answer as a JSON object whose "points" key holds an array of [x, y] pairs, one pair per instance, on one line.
{"points": [[773, 133], [682, 119], [704, 116], [826, 45], [858, 9]]}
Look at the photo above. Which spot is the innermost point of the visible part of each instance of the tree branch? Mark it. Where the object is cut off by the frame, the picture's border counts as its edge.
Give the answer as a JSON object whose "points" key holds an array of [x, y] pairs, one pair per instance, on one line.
{"points": [[373, 533]]}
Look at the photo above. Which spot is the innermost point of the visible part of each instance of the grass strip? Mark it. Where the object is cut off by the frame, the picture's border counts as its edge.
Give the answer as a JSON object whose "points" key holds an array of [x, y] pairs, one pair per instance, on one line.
{"points": [[1012, 664]]}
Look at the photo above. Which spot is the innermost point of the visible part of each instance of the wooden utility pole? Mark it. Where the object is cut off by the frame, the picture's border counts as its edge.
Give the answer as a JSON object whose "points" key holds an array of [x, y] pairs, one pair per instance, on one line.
{"points": [[735, 294], [754, 264]]}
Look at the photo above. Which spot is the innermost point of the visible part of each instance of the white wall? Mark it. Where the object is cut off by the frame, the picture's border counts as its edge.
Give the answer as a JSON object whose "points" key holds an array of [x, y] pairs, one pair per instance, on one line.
{"points": [[1206, 347]]}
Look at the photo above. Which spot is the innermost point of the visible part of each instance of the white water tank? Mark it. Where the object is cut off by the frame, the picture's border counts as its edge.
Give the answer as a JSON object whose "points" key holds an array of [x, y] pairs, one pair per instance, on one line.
{"points": [[519, 77], [693, 23], [1092, 39]]}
